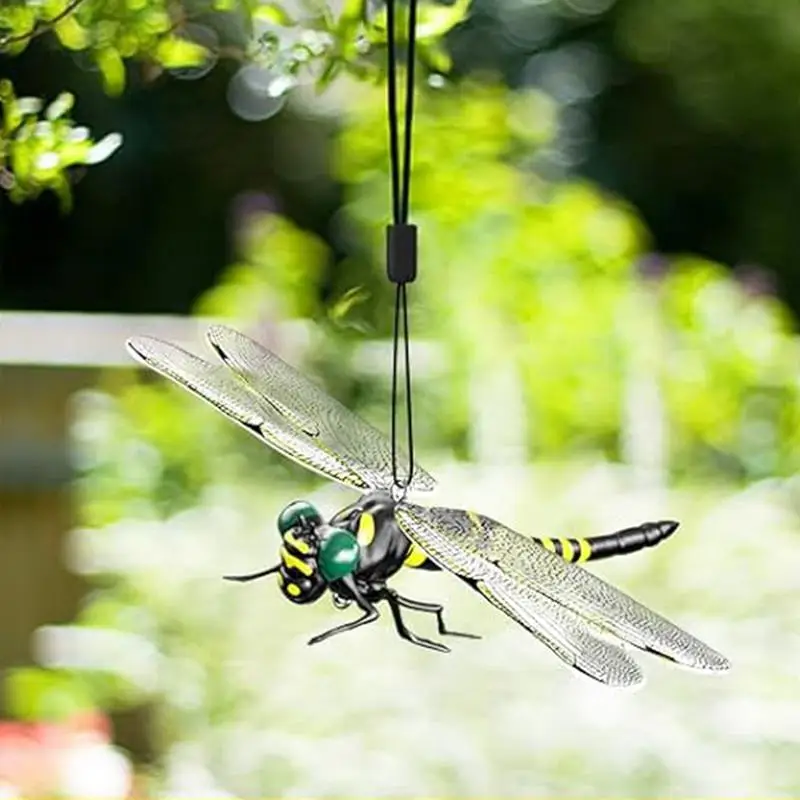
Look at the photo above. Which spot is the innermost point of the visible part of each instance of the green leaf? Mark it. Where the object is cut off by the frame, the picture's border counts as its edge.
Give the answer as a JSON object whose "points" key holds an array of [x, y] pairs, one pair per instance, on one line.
{"points": [[38, 694], [71, 33], [273, 13], [175, 52], [18, 21], [332, 68], [341, 308], [12, 114], [103, 149], [353, 12], [60, 106], [112, 70], [435, 56], [435, 20]]}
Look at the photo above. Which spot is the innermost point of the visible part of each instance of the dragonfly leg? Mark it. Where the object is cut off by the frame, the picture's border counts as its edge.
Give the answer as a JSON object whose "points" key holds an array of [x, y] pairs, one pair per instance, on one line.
{"points": [[393, 599], [370, 613], [432, 608], [252, 576]]}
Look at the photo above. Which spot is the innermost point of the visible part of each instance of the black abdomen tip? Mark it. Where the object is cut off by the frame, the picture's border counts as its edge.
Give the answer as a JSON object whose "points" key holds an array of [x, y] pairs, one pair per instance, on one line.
{"points": [[667, 527]]}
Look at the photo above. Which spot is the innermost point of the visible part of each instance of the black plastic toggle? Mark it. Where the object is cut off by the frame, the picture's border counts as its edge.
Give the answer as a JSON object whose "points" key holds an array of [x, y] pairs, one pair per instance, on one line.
{"points": [[401, 252]]}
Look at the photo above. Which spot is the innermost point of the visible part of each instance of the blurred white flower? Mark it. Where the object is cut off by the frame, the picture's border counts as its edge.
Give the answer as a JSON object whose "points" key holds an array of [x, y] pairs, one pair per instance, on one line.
{"points": [[94, 769]]}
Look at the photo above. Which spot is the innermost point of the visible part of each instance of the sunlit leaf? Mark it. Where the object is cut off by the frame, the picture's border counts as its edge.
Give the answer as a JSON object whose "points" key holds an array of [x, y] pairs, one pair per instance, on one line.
{"points": [[174, 52], [435, 20], [103, 149], [71, 33], [353, 12], [112, 69], [340, 308], [35, 694], [60, 106], [436, 57], [273, 13]]}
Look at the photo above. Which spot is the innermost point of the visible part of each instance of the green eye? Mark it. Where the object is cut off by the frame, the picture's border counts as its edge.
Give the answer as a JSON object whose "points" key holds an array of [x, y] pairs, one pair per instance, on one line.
{"points": [[338, 555], [297, 513]]}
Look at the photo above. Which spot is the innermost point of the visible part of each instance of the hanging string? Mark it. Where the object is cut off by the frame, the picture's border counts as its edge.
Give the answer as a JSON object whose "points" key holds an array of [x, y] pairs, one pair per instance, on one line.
{"points": [[401, 308], [401, 237]]}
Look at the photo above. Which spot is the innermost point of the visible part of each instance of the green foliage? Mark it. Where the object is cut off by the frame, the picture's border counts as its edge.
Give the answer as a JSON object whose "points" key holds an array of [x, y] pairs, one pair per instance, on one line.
{"points": [[36, 694], [281, 267], [38, 147], [513, 265], [187, 38], [110, 31], [730, 376], [165, 34]]}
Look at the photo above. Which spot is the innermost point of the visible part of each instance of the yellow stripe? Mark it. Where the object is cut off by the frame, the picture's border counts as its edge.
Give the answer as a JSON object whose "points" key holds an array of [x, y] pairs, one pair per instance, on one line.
{"points": [[547, 543], [366, 529], [298, 544], [586, 549], [415, 557], [294, 561], [293, 589], [567, 551]]}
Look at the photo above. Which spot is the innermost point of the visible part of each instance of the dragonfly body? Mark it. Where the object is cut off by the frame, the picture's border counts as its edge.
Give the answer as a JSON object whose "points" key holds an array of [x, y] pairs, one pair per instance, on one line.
{"points": [[354, 555], [375, 549]]}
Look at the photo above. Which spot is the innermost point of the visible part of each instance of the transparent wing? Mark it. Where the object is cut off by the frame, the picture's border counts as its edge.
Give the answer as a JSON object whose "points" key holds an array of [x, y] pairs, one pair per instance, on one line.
{"points": [[562, 631], [217, 385], [310, 411], [527, 581]]}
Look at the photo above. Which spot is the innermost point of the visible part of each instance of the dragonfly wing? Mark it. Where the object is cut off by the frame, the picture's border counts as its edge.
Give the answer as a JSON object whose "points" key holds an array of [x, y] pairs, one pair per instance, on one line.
{"points": [[481, 549], [217, 385], [307, 407], [454, 540], [562, 631]]}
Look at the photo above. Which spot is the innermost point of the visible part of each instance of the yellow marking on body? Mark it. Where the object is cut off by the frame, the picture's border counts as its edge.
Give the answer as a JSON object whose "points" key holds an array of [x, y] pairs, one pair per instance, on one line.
{"points": [[568, 548], [293, 589], [547, 543], [366, 529], [294, 562], [298, 544], [415, 557], [586, 549]]}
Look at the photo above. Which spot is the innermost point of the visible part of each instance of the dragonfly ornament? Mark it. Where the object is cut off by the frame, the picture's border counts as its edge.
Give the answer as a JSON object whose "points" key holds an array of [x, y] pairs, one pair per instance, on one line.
{"points": [[585, 621]]}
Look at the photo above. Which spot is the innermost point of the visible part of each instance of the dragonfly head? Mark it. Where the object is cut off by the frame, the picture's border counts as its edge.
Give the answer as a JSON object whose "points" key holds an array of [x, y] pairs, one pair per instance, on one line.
{"points": [[300, 516], [314, 553]]}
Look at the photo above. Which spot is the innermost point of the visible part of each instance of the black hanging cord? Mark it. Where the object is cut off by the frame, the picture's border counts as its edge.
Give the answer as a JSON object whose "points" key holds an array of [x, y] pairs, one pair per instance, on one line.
{"points": [[401, 305], [401, 238]]}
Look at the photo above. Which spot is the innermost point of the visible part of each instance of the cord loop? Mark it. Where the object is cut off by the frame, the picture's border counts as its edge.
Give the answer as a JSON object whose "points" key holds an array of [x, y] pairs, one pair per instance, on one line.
{"points": [[401, 237]]}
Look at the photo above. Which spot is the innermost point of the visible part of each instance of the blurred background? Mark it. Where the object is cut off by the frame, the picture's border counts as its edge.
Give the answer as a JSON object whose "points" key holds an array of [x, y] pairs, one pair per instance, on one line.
{"points": [[604, 333]]}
